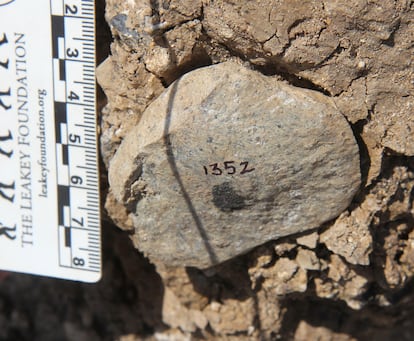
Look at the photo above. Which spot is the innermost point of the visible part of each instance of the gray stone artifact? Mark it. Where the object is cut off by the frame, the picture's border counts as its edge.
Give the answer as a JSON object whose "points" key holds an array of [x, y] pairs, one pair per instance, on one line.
{"points": [[227, 159]]}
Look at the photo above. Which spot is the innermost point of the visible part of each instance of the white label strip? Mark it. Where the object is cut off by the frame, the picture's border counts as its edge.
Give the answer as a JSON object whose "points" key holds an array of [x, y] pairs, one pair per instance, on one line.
{"points": [[49, 195]]}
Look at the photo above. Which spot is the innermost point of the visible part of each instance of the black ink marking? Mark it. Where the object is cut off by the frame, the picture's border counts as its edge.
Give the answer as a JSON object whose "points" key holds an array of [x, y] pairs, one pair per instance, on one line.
{"points": [[215, 170], [226, 199], [245, 170], [229, 167]]}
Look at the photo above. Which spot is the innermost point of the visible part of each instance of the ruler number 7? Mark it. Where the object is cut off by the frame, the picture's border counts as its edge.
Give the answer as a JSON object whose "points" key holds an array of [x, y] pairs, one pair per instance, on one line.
{"points": [[78, 221]]}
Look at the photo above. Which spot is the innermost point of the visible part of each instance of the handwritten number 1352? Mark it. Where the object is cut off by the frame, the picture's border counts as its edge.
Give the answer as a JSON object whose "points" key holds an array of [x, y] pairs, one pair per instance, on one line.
{"points": [[229, 167]]}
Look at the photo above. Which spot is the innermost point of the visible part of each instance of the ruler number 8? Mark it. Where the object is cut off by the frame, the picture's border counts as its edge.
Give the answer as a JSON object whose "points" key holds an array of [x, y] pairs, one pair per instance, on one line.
{"points": [[78, 261]]}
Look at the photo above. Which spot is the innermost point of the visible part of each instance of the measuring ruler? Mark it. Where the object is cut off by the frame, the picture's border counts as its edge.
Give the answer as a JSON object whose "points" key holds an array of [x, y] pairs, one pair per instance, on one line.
{"points": [[49, 194]]}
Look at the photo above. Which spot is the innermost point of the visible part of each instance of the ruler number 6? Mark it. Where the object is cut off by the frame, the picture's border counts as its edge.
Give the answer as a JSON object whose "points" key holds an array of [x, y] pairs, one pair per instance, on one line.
{"points": [[76, 180], [71, 9]]}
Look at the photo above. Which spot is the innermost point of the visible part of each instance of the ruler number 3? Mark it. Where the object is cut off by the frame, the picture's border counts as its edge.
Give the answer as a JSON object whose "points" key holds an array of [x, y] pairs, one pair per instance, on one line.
{"points": [[72, 53]]}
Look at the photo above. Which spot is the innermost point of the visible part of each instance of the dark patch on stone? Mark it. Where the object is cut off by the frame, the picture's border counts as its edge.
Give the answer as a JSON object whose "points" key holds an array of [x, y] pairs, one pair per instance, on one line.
{"points": [[226, 199]]}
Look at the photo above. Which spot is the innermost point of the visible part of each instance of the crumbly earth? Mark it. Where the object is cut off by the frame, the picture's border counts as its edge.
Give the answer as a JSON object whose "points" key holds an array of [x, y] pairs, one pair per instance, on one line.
{"points": [[351, 279]]}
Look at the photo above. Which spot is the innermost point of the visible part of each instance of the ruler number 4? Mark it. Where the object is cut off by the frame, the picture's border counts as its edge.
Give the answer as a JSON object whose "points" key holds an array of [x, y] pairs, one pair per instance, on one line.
{"points": [[73, 96]]}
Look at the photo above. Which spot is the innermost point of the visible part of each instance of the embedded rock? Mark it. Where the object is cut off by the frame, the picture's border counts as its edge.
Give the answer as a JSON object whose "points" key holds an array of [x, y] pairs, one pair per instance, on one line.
{"points": [[227, 159]]}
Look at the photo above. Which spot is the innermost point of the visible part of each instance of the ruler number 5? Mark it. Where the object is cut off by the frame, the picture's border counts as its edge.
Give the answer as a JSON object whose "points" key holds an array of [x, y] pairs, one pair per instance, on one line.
{"points": [[74, 138]]}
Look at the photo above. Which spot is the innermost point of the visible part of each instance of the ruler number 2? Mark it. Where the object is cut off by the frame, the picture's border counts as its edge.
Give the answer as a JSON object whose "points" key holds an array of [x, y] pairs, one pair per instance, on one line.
{"points": [[71, 9]]}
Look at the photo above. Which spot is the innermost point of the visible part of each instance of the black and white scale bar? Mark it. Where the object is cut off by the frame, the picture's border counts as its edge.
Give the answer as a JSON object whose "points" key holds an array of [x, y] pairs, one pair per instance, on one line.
{"points": [[80, 242]]}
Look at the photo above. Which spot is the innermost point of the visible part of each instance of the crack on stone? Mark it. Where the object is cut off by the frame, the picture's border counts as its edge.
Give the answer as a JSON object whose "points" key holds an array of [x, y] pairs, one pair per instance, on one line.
{"points": [[366, 97], [270, 22], [270, 38], [323, 28], [364, 159], [336, 52], [390, 40], [295, 24], [163, 82], [271, 68], [131, 197]]}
